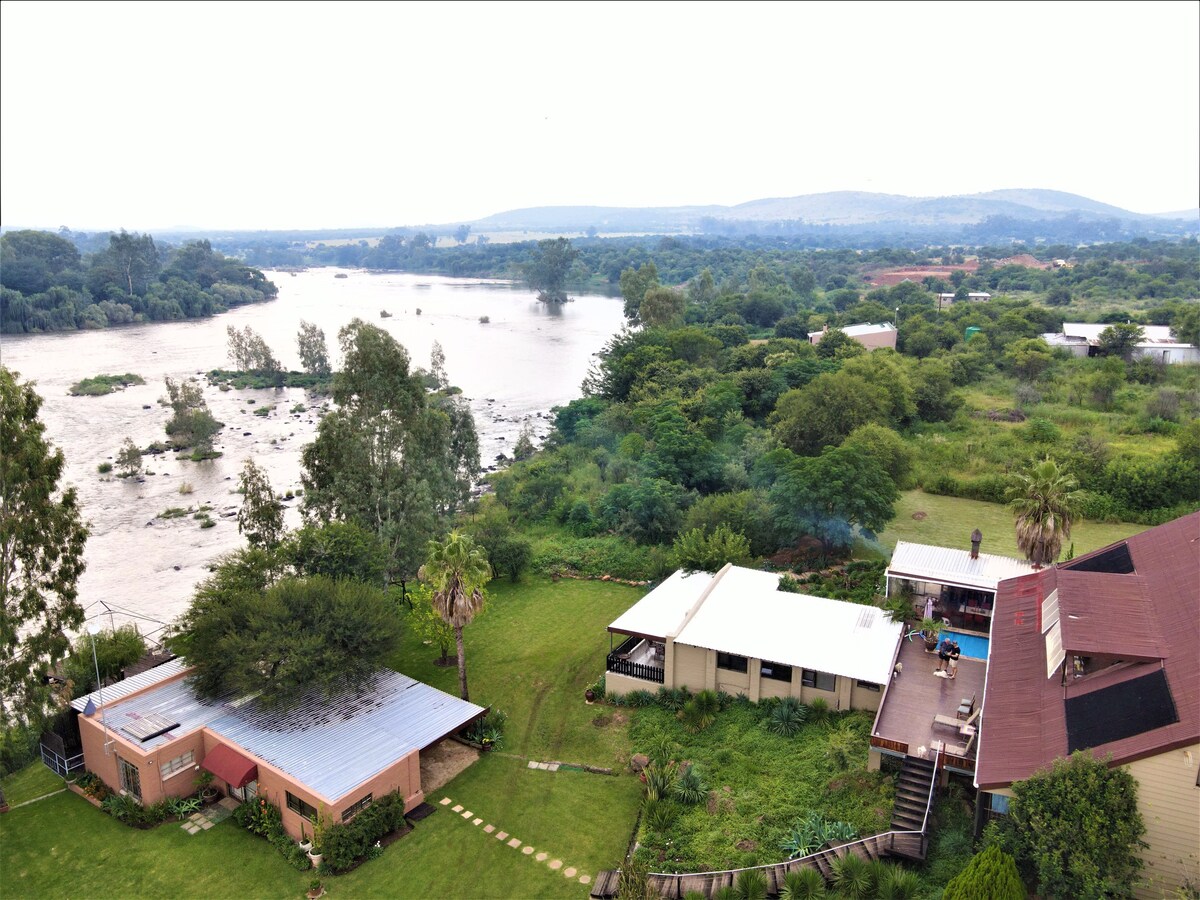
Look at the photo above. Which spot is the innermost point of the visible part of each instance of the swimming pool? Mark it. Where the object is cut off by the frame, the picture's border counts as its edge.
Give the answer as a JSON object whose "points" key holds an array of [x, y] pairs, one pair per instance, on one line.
{"points": [[971, 646]]}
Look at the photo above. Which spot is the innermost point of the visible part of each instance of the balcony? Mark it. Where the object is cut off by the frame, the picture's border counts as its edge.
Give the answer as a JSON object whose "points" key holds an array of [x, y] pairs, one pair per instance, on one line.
{"points": [[639, 658]]}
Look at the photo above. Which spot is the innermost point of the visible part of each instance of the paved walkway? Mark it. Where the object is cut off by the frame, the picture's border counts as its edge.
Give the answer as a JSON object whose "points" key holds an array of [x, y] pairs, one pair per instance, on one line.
{"points": [[555, 865], [202, 821]]}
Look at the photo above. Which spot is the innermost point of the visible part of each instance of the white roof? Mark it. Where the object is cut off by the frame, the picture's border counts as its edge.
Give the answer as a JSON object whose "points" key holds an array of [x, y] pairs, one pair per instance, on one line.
{"points": [[661, 611], [1152, 334], [746, 614], [868, 328], [947, 565], [127, 686]]}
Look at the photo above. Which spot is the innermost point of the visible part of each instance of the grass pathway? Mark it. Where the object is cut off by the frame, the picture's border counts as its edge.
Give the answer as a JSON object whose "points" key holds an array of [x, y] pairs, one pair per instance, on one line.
{"points": [[555, 865]]}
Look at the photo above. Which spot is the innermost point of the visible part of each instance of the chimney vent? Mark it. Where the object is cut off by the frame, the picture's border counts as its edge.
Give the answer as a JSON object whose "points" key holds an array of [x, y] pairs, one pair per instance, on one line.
{"points": [[976, 539]]}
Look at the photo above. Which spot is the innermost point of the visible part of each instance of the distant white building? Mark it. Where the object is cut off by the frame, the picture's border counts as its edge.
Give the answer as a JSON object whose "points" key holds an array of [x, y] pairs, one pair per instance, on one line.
{"points": [[973, 297], [1083, 339], [873, 337]]}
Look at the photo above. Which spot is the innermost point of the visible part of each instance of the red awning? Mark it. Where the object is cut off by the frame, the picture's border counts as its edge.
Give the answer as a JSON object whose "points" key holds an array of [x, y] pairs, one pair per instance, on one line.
{"points": [[230, 766]]}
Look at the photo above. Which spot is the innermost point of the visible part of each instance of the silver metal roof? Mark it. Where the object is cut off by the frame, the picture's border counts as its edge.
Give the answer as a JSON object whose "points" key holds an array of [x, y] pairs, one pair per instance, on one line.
{"points": [[329, 745], [947, 565], [122, 689]]}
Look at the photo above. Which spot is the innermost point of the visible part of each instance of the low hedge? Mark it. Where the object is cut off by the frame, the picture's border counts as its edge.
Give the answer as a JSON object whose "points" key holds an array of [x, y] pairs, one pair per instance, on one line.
{"points": [[344, 844]]}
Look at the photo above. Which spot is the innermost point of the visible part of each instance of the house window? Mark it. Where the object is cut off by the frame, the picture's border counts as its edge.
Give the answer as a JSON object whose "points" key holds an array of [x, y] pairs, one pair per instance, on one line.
{"points": [[822, 681], [732, 663], [177, 764], [867, 685], [776, 671], [295, 804], [998, 804], [131, 778], [358, 807]]}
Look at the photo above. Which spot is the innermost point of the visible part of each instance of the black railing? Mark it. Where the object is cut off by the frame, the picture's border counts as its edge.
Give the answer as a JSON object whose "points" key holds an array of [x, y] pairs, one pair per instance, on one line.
{"points": [[620, 666], [61, 765]]}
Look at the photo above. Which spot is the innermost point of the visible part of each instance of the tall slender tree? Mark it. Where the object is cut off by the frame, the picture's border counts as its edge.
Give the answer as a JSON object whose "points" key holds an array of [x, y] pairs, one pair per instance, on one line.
{"points": [[1045, 501], [457, 570]]}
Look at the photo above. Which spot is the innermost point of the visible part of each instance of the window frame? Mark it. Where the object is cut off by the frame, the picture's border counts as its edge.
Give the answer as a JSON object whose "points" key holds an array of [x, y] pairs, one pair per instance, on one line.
{"points": [[130, 778], [300, 806], [867, 685], [812, 678], [355, 808], [179, 764], [772, 670], [723, 659]]}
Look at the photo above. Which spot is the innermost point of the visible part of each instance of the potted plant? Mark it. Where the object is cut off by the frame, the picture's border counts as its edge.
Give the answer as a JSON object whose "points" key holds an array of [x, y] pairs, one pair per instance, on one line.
{"points": [[204, 788], [589, 695], [929, 631], [305, 844], [315, 889], [319, 826]]}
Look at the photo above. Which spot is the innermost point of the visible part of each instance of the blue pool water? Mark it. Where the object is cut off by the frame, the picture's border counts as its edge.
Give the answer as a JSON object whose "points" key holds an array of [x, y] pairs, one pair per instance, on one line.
{"points": [[971, 645]]}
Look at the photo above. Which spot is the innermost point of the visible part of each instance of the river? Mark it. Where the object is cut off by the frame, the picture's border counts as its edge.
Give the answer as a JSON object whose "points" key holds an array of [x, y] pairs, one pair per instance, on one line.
{"points": [[529, 357]]}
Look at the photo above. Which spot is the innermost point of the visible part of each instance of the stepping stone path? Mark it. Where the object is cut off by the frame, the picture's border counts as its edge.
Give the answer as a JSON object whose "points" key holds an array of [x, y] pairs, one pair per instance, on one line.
{"points": [[202, 821], [546, 767], [555, 865]]}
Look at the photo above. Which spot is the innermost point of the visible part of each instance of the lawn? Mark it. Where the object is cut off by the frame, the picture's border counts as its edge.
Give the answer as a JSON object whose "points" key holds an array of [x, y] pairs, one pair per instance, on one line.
{"points": [[31, 782], [949, 521], [532, 654], [760, 784]]}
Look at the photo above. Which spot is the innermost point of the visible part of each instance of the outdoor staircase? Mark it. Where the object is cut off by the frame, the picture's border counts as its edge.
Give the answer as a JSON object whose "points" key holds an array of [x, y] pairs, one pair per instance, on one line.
{"points": [[912, 796]]}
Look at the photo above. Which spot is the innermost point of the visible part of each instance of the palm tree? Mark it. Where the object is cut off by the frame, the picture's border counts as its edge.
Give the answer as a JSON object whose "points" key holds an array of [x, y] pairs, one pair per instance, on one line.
{"points": [[1044, 500], [457, 570]]}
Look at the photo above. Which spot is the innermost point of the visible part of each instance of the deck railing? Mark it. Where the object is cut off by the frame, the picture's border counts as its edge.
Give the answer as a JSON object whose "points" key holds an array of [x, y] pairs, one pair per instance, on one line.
{"points": [[61, 765], [619, 666]]}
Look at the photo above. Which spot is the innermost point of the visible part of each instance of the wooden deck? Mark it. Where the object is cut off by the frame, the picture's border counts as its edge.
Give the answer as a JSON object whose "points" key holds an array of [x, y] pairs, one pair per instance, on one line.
{"points": [[916, 696]]}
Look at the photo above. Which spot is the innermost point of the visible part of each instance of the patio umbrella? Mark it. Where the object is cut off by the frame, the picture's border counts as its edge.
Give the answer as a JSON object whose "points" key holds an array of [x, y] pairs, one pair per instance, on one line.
{"points": [[929, 607]]}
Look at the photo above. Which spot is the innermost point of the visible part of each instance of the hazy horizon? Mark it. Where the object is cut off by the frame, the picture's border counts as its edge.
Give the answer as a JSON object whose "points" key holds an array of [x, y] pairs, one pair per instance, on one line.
{"points": [[319, 116]]}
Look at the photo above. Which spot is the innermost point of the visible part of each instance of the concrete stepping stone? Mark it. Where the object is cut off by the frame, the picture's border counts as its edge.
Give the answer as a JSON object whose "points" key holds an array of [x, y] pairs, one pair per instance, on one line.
{"points": [[585, 879], [457, 809], [489, 828], [534, 764], [556, 864], [467, 814], [192, 829], [527, 850], [570, 872], [446, 801], [514, 843], [207, 825], [501, 835], [477, 822], [542, 857], [552, 767]]}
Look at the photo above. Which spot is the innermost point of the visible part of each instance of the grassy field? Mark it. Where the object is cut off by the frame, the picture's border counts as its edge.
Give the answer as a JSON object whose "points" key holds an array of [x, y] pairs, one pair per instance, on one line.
{"points": [[532, 655], [949, 521]]}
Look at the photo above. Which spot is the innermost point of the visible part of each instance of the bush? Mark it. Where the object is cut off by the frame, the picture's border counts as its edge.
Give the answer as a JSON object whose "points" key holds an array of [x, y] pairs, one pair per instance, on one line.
{"points": [[803, 884], [343, 844], [990, 875], [673, 699], [787, 718], [689, 788], [104, 468], [638, 699], [853, 877], [751, 884]]}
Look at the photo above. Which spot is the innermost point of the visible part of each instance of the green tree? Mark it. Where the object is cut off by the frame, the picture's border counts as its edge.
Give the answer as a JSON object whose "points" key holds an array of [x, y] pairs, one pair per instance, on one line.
{"points": [[1121, 339], [634, 285], [1029, 357], [115, 649], [249, 351], [1074, 829], [886, 447], [461, 233], [990, 875], [457, 571], [428, 625], [826, 410], [191, 425], [701, 551], [743, 512], [297, 636], [314, 352], [31, 261], [129, 459], [661, 307], [548, 269], [831, 495], [510, 555], [260, 517], [390, 457], [337, 550], [41, 556], [1045, 501], [836, 343], [701, 291]]}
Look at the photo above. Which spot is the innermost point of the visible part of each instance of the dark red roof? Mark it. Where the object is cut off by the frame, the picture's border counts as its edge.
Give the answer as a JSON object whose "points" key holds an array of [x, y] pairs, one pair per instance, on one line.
{"points": [[230, 766], [1150, 618]]}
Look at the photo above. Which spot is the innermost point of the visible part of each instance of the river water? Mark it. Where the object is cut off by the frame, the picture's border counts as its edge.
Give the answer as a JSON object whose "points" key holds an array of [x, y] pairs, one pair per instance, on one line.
{"points": [[526, 359]]}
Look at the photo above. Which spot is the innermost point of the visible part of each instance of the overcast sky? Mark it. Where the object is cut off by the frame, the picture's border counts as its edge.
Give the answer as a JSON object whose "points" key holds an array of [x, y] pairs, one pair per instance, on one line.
{"points": [[305, 115]]}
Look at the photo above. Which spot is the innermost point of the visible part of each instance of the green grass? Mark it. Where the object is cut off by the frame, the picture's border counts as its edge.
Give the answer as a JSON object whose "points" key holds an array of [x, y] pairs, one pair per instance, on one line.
{"points": [[762, 784], [949, 522], [32, 781], [532, 654]]}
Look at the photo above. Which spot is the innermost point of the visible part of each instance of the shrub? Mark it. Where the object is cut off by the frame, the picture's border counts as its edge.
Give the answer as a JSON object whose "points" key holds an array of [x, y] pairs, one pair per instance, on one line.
{"points": [[660, 815], [803, 884], [104, 468], [990, 875], [899, 884], [818, 711], [853, 877], [701, 711], [673, 699], [751, 884], [638, 699], [659, 781], [813, 832], [689, 788], [787, 718]]}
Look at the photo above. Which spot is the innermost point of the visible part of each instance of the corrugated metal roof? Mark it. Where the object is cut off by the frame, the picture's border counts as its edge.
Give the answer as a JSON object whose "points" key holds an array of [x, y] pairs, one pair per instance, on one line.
{"points": [[1024, 713], [661, 611], [329, 745], [124, 688], [947, 565], [868, 328]]}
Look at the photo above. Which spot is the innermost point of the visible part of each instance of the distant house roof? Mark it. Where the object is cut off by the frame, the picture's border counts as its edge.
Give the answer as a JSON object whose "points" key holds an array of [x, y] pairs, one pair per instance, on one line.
{"points": [[114, 692], [868, 328], [1133, 609], [742, 612], [1153, 335], [947, 565], [329, 745]]}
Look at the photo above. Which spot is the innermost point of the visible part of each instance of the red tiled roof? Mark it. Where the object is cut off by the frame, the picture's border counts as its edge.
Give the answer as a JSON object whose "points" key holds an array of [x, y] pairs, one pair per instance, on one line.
{"points": [[1152, 615]]}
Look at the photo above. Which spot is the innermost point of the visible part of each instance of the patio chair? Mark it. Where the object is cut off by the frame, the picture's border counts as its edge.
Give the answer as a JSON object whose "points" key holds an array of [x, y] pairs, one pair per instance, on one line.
{"points": [[961, 749], [946, 722], [966, 707]]}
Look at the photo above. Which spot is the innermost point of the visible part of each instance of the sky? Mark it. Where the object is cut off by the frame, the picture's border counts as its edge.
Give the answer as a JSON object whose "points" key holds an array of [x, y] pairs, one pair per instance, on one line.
{"points": [[300, 115]]}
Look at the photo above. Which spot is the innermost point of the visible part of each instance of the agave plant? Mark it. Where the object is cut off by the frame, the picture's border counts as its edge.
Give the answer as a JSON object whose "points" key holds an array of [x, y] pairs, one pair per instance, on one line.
{"points": [[672, 699], [803, 884], [813, 832], [639, 699], [787, 718], [689, 788]]}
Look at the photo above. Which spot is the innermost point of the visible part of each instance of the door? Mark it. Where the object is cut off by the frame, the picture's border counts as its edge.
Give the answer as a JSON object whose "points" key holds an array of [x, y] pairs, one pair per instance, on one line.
{"points": [[131, 778], [249, 792]]}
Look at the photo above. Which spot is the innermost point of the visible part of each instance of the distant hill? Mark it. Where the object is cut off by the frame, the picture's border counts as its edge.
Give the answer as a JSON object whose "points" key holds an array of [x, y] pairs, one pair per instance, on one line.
{"points": [[837, 209]]}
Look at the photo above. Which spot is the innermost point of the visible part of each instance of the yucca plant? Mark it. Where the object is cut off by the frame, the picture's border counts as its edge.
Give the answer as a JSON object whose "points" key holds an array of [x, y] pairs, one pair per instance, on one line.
{"points": [[661, 749], [672, 699], [751, 884], [787, 718], [898, 884], [639, 699], [659, 781], [852, 876], [729, 892], [689, 788], [818, 711], [803, 884], [660, 814]]}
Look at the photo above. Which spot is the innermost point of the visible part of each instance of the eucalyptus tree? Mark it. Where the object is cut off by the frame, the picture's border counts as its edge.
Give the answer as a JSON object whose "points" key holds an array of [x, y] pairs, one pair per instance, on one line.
{"points": [[314, 354], [261, 515], [391, 456]]}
